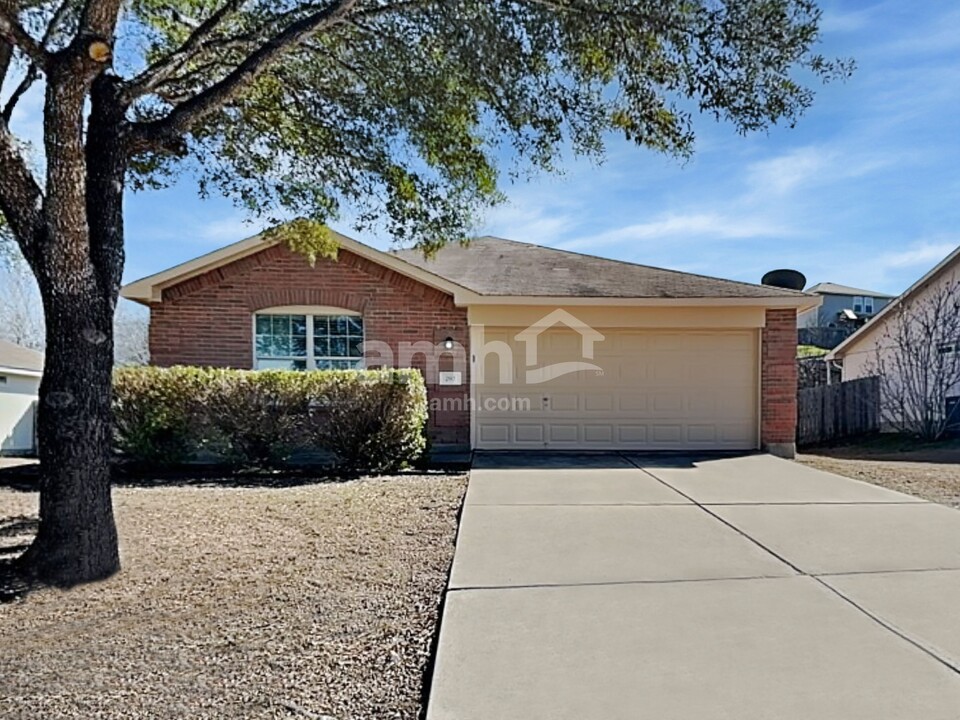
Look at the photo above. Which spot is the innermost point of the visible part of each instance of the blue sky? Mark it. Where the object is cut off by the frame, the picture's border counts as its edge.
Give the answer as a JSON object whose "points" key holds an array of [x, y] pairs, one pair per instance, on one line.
{"points": [[864, 191]]}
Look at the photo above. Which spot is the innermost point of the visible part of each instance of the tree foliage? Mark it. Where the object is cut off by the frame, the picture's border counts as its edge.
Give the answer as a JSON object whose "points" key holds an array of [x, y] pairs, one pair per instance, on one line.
{"points": [[402, 109]]}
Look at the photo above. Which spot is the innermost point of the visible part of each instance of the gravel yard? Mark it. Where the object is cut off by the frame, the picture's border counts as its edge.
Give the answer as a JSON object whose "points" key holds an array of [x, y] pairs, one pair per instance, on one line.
{"points": [[309, 601], [932, 473]]}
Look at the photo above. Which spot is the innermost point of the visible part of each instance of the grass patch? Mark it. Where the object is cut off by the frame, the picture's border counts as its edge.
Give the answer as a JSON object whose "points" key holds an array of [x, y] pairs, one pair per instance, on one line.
{"points": [[252, 602]]}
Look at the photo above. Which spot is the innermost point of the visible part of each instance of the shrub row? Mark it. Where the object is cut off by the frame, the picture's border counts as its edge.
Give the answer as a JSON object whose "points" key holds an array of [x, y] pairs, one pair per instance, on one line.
{"points": [[367, 419]]}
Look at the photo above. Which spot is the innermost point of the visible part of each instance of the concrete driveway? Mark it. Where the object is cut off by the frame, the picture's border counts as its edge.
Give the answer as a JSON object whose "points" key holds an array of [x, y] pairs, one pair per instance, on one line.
{"points": [[617, 586]]}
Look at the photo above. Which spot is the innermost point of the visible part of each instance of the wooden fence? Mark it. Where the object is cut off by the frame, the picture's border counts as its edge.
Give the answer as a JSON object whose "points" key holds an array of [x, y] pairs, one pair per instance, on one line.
{"points": [[831, 412]]}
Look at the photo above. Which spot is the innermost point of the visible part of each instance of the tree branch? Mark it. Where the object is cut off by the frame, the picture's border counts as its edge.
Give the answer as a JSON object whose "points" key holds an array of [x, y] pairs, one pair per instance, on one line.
{"points": [[99, 18], [14, 33], [6, 56], [188, 113], [154, 75], [21, 199]]}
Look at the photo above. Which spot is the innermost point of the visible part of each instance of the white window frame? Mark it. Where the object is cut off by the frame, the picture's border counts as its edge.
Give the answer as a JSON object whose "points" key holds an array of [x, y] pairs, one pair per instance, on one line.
{"points": [[858, 303], [309, 312], [867, 305]]}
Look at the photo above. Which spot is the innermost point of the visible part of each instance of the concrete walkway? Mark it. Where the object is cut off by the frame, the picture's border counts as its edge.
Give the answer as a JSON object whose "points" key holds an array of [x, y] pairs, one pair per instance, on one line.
{"points": [[751, 588]]}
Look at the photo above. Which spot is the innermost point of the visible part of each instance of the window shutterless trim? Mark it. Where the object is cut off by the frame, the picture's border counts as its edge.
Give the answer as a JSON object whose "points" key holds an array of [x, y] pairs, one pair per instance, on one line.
{"points": [[310, 360]]}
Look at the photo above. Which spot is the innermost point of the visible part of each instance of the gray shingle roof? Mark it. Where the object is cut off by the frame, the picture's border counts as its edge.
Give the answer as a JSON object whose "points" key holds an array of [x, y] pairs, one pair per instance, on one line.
{"points": [[494, 266], [20, 358], [829, 288]]}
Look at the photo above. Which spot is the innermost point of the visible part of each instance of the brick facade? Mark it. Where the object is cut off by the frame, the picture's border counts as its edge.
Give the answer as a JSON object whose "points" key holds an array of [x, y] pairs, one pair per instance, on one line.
{"points": [[207, 320], [778, 385]]}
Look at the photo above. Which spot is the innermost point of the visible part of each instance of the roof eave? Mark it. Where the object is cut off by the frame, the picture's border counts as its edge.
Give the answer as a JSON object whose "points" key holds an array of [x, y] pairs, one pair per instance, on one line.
{"points": [[800, 303], [5, 369]]}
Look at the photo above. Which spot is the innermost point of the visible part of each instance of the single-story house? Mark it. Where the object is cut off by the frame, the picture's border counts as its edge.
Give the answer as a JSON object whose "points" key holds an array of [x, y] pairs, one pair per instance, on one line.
{"points": [[20, 373], [522, 346], [859, 352]]}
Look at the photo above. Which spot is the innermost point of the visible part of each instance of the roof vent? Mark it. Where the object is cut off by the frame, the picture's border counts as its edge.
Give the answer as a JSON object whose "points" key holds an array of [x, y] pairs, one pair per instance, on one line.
{"points": [[788, 279]]}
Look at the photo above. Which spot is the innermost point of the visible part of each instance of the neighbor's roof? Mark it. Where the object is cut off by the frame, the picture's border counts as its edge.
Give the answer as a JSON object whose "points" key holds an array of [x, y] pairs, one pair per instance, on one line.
{"points": [[494, 266], [15, 357], [948, 262], [829, 288]]}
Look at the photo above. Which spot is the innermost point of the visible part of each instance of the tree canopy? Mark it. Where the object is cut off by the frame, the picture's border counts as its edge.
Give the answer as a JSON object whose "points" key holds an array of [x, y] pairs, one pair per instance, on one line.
{"points": [[400, 109]]}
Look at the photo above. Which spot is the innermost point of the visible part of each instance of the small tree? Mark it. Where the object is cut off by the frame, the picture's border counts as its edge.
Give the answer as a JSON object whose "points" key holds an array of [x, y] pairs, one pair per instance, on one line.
{"points": [[131, 329], [402, 109], [917, 359], [21, 315]]}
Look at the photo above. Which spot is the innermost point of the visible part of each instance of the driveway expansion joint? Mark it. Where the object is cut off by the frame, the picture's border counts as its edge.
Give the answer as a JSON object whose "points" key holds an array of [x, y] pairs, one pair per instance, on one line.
{"points": [[619, 583], [818, 577]]}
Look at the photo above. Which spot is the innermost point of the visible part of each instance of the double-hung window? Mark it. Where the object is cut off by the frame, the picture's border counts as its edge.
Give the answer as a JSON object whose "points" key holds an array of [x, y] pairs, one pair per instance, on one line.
{"points": [[863, 304], [322, 340]]}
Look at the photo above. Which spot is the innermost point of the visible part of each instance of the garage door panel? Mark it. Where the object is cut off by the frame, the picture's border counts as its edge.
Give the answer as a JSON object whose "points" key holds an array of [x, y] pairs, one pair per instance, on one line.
{"points": [[565, 402], [629, 434], [633, 402], [564, 433], [659, 390], [668, 402], [702, 433], [670, 434], [494, 433], [528, 433], [598, 402], [593, 434]]}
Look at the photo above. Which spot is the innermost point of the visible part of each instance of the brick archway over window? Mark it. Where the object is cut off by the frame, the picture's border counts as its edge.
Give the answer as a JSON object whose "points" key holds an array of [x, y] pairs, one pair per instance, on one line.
{"points": [[316, 297]]}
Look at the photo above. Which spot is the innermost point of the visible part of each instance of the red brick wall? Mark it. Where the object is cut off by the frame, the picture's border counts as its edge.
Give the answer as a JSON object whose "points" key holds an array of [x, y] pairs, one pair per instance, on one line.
{"points": [[207, 320], [778, 422]]}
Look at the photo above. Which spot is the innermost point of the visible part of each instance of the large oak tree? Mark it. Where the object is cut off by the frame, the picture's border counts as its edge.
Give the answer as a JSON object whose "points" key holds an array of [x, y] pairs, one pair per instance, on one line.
{"points": [[397, 109]]}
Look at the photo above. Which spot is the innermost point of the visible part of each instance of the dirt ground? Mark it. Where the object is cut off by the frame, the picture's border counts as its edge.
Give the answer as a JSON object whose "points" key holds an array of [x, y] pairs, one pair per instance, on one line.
{"points": [[313, 601], [930, 471]]}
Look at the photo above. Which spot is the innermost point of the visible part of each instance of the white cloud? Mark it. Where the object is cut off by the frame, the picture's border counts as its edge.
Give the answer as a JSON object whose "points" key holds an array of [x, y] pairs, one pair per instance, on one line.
{"points": [[529, 221], [811, 166], [924, 254], [227, 229], [845, 22], [783, 173], [693, 226]]}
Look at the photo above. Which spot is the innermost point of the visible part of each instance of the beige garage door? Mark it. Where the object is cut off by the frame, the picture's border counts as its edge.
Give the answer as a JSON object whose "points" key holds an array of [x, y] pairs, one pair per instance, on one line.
{"points": [[647, 390]]}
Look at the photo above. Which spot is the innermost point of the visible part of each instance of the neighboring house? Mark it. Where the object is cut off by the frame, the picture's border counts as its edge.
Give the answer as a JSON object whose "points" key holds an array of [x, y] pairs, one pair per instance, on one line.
{"points": [[844, 310], [20, 372], [522, 346], [858, 353]]}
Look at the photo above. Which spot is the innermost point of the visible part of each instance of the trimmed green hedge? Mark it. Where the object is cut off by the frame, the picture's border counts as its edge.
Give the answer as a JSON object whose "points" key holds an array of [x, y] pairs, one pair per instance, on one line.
{"points": [[367, 419]]}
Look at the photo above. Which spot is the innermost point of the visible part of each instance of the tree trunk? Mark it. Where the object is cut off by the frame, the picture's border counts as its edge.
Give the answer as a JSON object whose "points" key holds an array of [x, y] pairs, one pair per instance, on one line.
{"points": [[77, 538], [78, 265]]}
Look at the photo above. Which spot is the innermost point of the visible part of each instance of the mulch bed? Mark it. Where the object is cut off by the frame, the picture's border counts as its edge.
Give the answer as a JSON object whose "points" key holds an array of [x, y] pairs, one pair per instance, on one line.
{"points": [[313, 601]]}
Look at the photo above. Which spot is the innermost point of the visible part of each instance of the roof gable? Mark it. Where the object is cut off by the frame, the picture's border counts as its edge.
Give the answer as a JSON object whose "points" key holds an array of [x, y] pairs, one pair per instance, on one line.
{"points": [[150, 289]]}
